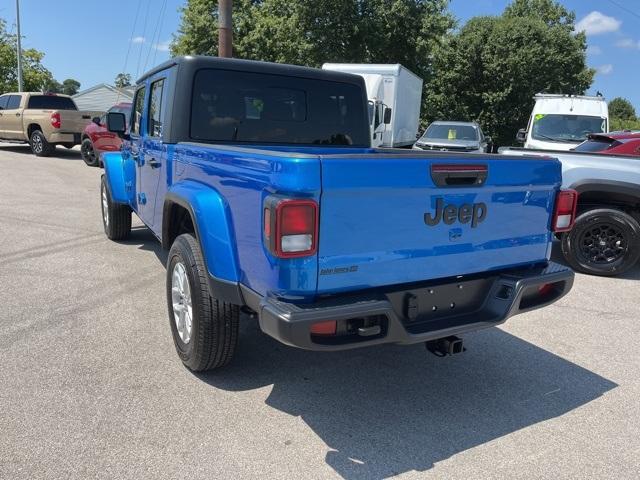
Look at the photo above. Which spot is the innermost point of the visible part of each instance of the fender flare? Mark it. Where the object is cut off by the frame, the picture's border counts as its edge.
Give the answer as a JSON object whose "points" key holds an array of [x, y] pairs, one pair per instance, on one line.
{"points": [[622, 189], [121, 177], [213, 226]]}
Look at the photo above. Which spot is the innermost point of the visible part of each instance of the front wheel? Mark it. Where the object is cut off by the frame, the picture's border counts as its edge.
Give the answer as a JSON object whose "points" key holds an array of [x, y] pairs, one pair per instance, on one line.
{"points": [[603, 242], [39, 144], [116, 218], [205, 329]]}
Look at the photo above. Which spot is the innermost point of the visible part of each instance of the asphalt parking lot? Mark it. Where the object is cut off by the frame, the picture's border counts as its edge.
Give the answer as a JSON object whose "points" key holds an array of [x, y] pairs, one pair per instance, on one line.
{"points": [[91, 387]]}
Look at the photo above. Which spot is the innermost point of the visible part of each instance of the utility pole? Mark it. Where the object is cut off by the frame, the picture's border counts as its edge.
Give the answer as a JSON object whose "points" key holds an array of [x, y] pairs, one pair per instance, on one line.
{"points": [[225, 32], [19, 53]]}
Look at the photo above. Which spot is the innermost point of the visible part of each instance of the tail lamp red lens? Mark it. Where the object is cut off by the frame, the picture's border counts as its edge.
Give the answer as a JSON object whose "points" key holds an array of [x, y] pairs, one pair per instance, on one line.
{"points": [[324, 328], [291, 227], [55, 120], [564, 215]]}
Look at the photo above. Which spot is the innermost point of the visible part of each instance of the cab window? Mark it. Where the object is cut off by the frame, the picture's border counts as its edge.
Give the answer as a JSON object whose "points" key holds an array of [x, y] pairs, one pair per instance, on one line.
{"points": [[3, 101], [155, 109], [136, 113], [13, 102]]}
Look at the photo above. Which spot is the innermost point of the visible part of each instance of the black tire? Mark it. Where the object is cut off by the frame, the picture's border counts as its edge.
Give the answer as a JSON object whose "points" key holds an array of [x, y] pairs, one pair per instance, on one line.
{"points": [[39, 145], [213, 337], [602, 242], [88, 153], [116, 217]]}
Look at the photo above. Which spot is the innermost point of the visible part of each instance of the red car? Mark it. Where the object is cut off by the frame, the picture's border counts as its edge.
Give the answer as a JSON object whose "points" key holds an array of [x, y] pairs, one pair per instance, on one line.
{"points": [[96, 139], [614, 143]]}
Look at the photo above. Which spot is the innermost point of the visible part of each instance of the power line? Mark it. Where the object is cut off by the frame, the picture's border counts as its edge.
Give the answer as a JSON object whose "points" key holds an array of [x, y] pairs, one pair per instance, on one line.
{"points": [[154, 40], [637, 15], [144, 31]]}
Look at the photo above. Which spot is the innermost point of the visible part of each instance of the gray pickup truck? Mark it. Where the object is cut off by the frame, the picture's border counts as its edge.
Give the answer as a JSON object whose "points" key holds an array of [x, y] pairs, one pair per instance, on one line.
{"points": [[606, 237]]}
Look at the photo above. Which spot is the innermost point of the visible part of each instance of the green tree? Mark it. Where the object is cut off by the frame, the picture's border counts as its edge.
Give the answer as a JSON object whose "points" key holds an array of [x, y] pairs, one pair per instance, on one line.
{"points": [[70, 86], [307, 32], [52, 86], [619, 124], [622, 109], [35, 75], [489, 70], [123, 80]]}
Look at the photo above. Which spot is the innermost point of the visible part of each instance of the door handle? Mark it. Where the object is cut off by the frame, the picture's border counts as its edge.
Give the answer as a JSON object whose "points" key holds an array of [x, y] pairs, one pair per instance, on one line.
{"points": [[17, 114], [153, 163]]}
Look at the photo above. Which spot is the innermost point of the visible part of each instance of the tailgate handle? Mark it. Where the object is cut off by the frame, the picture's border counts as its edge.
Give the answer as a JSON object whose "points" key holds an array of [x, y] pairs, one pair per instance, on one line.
{"points": [[459, 175]]}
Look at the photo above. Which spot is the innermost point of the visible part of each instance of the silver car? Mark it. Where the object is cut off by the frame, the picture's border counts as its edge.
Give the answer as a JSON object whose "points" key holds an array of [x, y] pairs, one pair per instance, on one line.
{"points": [[453, 136]]}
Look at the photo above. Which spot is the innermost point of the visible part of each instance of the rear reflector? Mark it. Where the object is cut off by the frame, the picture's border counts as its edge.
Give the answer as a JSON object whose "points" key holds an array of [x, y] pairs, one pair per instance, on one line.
{"points": [[564, 215], [324, 328], [291, 227]]}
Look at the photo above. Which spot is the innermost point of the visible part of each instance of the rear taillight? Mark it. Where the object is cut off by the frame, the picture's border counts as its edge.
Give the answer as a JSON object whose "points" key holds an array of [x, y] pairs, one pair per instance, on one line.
{"points": [[564, 214], [55, 120], [291, 227]]}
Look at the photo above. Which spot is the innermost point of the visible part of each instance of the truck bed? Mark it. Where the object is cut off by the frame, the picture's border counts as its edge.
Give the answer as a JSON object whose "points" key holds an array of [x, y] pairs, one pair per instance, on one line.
{"points": [[373, 204]]}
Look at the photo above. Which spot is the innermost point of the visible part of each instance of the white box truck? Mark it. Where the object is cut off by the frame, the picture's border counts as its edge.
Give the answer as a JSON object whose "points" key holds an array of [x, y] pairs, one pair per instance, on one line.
{"points": [[562, 122], [395, 95]]}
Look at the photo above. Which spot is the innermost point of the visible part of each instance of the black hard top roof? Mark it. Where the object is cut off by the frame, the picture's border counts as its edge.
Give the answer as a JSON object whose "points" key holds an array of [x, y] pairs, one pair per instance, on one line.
{"points": [[197, 62]]}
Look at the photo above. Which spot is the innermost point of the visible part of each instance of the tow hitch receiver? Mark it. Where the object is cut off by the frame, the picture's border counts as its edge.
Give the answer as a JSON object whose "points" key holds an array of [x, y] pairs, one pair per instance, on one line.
{"points": [[445, 346]]}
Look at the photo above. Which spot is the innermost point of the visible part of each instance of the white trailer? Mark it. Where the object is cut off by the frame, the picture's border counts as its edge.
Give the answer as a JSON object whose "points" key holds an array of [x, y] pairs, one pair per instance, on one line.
{"points": [[395, 95]]}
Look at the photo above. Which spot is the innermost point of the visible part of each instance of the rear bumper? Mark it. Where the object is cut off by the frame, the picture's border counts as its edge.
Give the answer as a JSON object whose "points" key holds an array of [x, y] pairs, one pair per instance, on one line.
{"points": [[60, 137], [407, 315]]}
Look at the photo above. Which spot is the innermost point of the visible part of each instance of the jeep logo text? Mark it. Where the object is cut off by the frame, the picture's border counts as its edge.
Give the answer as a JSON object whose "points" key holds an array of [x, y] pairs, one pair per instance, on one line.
{"points": [[474, 213]]}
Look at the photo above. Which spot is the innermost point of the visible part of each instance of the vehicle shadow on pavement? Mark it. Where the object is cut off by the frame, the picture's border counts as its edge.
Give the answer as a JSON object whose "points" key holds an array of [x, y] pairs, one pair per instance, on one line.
{"points": [[387, 410], [59, 153]]}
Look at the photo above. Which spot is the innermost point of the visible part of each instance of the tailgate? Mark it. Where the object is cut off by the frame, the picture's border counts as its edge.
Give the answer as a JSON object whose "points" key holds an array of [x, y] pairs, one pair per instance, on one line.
{"points": [[73, 121], [397, 218]]}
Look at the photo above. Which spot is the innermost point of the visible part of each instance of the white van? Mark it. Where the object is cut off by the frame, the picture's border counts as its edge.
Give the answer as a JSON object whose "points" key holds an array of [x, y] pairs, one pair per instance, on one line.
{"points": [[562, 122], [395, 95]]}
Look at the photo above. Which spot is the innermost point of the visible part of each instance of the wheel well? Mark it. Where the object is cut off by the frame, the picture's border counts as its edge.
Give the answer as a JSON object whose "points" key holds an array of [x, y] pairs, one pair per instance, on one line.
{"points": [[32, 127], [618, 200], [176, 221]]}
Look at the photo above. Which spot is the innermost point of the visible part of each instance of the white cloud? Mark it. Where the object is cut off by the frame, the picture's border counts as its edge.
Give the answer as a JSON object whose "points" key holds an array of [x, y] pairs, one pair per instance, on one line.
{"points": [[163, 46], [594, 50], [596, 23], [627, 43], [605, 69], [138, 40]]}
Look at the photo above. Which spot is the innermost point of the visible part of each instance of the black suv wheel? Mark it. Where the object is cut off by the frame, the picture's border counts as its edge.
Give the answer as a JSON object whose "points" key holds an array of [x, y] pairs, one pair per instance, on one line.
{"points": [[603, 241]]}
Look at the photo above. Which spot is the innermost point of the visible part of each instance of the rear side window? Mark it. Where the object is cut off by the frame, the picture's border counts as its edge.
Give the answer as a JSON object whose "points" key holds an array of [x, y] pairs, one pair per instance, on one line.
{"points": [[13, 102], [3, 101], [597, 145], [155, 109], [229, 106], [51, 102], [136, 113]]}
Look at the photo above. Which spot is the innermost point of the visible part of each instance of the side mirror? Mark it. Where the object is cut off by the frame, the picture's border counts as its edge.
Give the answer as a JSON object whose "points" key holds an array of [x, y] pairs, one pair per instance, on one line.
{"points": [[96, 120], [116, 123], [387, 116], [521, 136]]}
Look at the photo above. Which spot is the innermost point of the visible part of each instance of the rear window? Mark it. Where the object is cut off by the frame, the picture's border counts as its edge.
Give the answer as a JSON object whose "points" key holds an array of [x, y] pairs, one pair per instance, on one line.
{"points": [[51, 102], [247, 107], [597, 145]]}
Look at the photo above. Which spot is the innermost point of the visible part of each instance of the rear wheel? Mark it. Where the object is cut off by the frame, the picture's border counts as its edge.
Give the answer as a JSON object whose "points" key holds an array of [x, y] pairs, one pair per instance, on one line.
{"points": [[88, 153], [205, 329], [602, 242], [116, 218], [39, 145]]}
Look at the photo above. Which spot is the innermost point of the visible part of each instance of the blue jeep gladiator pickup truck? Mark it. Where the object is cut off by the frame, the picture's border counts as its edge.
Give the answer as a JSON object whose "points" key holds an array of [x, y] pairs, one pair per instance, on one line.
{"points": [[261, 181]]}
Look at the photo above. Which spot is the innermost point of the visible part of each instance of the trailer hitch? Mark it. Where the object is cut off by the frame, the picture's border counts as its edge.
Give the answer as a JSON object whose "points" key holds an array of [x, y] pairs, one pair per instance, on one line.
{"points": [[443, 347]]}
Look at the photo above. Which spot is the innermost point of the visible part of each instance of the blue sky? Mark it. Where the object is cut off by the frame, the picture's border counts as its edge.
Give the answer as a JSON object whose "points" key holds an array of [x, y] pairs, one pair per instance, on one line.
{"points": [[89, 40]]}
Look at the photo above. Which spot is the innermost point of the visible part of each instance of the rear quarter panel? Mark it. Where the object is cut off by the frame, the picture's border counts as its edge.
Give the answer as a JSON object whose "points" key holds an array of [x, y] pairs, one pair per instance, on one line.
{"points": [[244, 178]]}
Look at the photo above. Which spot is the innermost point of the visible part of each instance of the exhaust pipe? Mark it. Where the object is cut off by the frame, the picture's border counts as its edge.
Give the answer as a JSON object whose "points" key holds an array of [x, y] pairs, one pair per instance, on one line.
{"points": [[443, 347]]}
